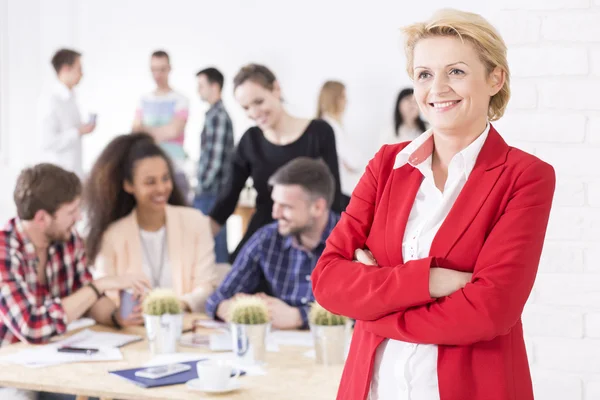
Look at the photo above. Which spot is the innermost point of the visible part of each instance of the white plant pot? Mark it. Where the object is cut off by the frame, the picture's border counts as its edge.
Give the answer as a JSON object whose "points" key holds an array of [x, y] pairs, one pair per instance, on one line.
{"points": [[249, 343], [163, 332], [330, 343]]}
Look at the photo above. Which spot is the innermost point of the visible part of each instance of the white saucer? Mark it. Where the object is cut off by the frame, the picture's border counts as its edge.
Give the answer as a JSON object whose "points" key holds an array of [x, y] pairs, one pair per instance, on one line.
{"points": [[195, 384]]}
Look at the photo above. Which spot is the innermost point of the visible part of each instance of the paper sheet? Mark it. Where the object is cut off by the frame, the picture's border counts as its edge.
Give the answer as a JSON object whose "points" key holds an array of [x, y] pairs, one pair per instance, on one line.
{"points": [[292, 338], [89, 338], [44, 356], [80, 323]]}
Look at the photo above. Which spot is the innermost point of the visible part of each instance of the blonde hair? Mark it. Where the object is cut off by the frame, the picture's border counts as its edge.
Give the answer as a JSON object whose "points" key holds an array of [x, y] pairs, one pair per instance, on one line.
{"points": [[329, 98], [468, 27]]}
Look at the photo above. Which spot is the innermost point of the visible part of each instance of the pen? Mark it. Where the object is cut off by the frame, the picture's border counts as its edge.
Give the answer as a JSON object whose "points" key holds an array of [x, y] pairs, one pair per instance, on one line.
{"points": [[80, 350]]}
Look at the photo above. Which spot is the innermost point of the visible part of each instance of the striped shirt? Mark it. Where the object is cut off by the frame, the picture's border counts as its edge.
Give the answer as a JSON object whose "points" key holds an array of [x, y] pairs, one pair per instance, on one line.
{"points": [[285, 266], [29, 311], [216, 150]]}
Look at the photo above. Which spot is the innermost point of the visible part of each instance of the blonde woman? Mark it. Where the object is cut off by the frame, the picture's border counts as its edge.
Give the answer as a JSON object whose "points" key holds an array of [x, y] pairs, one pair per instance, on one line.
{"points": [[439, 247], [331, 108]]}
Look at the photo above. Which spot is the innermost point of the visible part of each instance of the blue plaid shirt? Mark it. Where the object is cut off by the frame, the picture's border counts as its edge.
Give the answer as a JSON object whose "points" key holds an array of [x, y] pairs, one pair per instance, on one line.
{"points": [[285, 266], [216, 150]]}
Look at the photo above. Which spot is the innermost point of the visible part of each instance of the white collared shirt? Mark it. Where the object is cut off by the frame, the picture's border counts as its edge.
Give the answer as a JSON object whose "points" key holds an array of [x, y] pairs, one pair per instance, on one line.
{"points": [[407, 371], [58, 128]]}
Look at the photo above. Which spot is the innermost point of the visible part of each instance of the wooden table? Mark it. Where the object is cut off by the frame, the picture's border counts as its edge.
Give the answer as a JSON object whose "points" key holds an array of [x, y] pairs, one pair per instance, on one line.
{"points": [[290, 375]]}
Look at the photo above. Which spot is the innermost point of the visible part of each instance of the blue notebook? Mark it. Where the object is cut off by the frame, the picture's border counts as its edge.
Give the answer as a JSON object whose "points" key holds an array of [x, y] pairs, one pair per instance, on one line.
{"points": [[176, 379]]}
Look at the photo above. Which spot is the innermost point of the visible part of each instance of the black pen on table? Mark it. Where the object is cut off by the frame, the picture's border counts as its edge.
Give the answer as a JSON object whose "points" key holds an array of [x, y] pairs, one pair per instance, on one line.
{"points": [[78, 350]]}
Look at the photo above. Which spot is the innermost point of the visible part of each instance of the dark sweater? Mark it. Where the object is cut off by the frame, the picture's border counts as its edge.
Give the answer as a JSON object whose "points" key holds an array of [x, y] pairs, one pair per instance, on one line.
{"points": [[258, 158]]}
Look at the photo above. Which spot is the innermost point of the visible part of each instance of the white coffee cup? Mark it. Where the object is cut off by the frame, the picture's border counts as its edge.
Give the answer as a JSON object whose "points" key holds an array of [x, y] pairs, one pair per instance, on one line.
{"points": [[216, 374]]}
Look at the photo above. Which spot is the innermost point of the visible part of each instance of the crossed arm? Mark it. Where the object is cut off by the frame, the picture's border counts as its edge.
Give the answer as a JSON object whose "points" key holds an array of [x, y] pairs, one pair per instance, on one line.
{"points": [[488, 306]]}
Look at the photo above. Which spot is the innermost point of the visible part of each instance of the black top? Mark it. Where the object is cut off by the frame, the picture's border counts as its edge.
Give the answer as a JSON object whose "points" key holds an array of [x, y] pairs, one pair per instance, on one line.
{"points": [[257, 157]]}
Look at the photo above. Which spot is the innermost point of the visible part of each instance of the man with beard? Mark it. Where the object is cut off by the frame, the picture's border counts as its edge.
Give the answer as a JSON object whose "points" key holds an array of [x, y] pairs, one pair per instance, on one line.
{"points": [[284, 253], [45, 282]]}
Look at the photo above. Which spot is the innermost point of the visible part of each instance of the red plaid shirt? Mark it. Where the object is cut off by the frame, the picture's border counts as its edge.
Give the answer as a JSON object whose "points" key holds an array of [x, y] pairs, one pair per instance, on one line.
{"points": [[31, 312]]}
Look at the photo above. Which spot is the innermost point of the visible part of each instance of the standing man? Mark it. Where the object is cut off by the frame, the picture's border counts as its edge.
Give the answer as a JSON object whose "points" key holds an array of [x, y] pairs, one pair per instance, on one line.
{"points": [[59, 122], [163, 114], [216, 151]]}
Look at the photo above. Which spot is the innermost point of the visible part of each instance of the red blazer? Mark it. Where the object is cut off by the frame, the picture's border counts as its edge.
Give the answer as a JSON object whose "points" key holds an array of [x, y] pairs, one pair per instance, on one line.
{"points": [[495, 230]]}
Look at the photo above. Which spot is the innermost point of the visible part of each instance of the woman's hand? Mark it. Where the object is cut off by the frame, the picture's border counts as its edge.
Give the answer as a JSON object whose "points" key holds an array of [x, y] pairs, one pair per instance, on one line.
{"points": [[364, 257], [444, 282]]}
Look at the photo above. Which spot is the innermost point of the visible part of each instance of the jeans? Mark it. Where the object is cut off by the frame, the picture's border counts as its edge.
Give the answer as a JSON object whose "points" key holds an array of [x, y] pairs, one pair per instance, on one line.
{"points": [[204, 202]]}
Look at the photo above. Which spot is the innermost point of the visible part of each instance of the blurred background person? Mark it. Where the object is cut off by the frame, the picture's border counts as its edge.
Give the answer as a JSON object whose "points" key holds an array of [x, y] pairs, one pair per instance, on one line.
{"points": [[408, 124], [59, 121], [163, 114], [138, 222], [331, 109], [277, 138], [216, 151]]}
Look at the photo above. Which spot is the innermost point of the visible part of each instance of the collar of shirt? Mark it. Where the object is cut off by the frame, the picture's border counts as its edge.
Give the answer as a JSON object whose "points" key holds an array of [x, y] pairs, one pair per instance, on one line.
{"points": [[291, 239], [24, 242], [61, 90], [215, 107], [418, 153]]}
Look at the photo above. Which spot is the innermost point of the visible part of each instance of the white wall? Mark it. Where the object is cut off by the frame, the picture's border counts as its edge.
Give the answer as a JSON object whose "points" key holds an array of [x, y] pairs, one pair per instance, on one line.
{"points": [[555, 59], [554, 113]]}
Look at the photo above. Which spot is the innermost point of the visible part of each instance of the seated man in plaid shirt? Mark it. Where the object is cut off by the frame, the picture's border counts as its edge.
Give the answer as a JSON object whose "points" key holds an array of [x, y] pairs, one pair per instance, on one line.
{"points": [[44, 281], [284, 253]]}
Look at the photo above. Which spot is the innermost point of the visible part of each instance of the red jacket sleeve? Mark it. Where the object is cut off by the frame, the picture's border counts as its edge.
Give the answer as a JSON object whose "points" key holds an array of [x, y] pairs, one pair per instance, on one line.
{"points": [[361, 291], [492, 303]]}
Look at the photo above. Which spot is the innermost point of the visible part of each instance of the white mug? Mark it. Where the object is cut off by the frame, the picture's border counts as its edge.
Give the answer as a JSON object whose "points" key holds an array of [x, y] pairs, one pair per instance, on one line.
{"points": [[216, 374]]}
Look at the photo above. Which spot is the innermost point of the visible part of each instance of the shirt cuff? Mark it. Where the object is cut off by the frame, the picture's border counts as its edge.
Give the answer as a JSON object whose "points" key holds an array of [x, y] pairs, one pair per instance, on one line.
{"points": [[304, 310]]}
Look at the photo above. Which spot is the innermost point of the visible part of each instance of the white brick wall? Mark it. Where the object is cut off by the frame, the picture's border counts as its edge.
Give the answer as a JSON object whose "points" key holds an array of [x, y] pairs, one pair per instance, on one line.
{"points": [[554, 55]]}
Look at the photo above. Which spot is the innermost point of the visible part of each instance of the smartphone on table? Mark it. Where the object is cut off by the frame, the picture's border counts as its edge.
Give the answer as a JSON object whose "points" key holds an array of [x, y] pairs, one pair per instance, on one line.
{"points": [[162, 371]]}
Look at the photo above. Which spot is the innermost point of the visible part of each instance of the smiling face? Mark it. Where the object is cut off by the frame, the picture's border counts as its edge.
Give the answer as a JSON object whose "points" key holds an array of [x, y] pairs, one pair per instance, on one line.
{"points": [[451, 84], [294, 210], [261, 104], [152, 184]]}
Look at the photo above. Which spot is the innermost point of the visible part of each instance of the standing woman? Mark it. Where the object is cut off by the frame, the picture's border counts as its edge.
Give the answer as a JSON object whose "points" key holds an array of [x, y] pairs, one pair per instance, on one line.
{"points": [[277, 138], [408, 124], [447, 231], [331, 108], [139, 223]]}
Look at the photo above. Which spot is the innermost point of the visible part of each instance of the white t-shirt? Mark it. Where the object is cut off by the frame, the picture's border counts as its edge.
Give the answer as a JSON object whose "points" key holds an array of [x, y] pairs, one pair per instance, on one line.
{"points": [[154, 246]]}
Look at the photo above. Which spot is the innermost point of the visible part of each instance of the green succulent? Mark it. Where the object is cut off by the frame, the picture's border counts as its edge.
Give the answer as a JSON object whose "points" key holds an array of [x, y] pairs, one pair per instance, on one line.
{"points": [[249, 311], [161, 301], [320, 316]]}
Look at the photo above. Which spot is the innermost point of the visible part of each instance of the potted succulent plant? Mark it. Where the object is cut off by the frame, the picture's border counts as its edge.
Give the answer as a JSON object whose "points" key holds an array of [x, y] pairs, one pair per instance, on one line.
{"points": [[330, 334], [163, 319], [249, 329]]}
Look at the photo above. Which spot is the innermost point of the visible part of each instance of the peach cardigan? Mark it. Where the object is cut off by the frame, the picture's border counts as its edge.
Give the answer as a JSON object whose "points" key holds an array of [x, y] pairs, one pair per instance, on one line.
{"points": [[191, 253]]}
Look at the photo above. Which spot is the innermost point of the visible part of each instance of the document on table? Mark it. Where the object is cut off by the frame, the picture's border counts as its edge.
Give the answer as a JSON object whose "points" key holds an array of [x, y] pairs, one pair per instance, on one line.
{"points": [[89, 338], [41, 356], [45, 356]]}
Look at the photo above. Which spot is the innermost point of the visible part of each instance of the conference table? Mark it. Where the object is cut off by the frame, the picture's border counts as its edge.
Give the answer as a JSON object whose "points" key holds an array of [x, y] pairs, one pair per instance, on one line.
{"points": [[290, 374]]}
